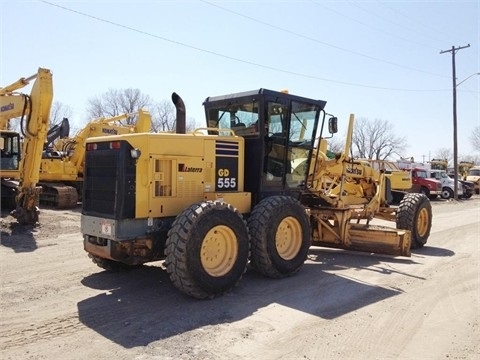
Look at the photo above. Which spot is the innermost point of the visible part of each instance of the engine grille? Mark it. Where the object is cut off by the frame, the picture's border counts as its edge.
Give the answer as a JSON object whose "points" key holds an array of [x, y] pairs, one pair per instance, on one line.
{"points": [[109, 182]]}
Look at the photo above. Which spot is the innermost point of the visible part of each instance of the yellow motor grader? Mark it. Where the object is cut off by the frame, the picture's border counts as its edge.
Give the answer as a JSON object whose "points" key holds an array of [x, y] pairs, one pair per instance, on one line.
{"points": [[254, 186]]}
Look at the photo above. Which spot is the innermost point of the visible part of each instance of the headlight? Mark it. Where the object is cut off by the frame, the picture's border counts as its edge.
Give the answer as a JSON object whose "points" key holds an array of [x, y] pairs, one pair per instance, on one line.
{"points": [[135, 153]]}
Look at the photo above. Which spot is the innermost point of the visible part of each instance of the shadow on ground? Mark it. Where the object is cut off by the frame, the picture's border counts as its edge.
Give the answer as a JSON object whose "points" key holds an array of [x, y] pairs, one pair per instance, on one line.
{"points": [[142, 306]]}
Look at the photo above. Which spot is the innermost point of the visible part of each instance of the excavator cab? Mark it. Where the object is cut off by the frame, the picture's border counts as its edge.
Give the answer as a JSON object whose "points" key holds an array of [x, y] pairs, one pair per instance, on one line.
{"points": [[280, 132], [10, 145], [10, 153]]}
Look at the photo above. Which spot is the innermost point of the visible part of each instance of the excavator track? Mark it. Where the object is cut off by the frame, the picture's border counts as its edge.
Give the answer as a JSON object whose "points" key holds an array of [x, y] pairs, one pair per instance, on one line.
{"points": [[58, 196]]}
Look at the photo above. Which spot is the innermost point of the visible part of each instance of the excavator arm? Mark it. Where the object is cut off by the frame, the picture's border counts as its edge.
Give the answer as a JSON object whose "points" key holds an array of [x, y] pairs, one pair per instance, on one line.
{"points": [[108, 126], [61, 170], [34, 110]]}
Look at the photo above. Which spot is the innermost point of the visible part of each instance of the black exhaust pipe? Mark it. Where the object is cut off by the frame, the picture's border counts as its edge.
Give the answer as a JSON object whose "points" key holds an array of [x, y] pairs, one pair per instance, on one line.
{"points": [[181, 114]]}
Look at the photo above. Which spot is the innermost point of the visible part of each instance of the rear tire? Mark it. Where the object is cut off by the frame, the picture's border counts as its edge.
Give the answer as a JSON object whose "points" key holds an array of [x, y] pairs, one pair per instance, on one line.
{"points": [[280, 236], [415, 214], [425, 191], [207, 249]]}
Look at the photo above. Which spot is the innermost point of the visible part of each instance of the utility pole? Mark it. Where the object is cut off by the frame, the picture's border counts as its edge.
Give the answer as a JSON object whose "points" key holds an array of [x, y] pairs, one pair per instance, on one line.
{"points": [[453, 50]]}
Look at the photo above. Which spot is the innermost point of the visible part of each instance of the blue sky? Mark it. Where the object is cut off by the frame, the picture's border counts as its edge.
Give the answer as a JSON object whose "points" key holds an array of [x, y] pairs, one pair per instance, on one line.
{"points": [[376, 59]]}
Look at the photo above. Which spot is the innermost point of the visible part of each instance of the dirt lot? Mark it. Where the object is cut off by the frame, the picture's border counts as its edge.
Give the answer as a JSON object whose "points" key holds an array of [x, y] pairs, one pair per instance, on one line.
{"points": [[56, 304]]}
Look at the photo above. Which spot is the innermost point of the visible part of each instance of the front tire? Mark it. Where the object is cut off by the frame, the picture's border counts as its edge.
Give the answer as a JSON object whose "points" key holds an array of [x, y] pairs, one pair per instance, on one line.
{"points": [[280, 236], [447, 193], [415, 214], [207, 249]]}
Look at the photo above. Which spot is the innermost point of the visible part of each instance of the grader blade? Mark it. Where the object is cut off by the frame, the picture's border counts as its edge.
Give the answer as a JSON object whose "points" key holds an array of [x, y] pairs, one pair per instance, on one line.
{"points": [[379, 239]]}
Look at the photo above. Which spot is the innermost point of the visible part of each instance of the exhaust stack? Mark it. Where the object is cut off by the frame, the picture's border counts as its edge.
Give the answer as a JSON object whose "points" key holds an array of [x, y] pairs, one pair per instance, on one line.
{"points": [[181, 114]]}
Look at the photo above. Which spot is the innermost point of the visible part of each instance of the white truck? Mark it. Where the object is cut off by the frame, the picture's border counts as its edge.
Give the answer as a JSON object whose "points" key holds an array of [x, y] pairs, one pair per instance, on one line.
{"points": [[463, 190]]}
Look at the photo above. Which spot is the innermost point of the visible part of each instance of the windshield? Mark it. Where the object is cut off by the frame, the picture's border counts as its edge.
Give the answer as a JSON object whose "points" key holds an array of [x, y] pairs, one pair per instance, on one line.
{"points": [[439, 175], [302, 122], [422, 174], [241, 118], [10, 153], [474, 172]]}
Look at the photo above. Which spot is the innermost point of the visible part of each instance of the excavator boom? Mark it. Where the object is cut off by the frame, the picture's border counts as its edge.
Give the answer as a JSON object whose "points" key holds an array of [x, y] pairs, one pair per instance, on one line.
{"points": [[34, 110], [61, 170]]}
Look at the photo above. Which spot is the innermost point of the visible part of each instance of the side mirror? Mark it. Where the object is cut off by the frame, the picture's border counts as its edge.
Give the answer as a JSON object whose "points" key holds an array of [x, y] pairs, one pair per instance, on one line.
{"points": [[332, 125]]}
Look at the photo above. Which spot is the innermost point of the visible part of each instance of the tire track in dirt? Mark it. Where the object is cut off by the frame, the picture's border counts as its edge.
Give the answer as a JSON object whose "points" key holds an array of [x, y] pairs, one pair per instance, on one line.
{"points": [[19, 335]]}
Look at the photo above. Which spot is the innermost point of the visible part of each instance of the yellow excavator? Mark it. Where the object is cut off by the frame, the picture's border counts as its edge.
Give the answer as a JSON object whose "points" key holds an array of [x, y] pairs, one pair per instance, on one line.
{"points": [[21, 153], [464, 167], [61, 170]]}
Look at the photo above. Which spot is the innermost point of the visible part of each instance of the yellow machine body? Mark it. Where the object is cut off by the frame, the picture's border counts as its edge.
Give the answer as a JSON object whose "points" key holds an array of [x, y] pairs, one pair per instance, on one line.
{"points": [[34, 110], [61, 170], [208, 201], [182, 169]]}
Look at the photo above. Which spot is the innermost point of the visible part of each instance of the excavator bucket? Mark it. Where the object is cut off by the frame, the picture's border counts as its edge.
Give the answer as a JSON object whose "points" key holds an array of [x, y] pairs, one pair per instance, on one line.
{"points": [[27, 211]]}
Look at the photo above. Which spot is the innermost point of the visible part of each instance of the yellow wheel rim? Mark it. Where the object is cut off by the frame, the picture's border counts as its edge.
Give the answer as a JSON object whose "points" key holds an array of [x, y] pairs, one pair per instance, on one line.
{"points": [[219, 251], [288, 239], [422, 222]]}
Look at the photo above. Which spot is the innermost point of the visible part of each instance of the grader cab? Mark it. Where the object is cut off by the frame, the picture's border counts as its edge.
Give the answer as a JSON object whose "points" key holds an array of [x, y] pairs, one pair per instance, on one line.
{"points": [[254, 186]]}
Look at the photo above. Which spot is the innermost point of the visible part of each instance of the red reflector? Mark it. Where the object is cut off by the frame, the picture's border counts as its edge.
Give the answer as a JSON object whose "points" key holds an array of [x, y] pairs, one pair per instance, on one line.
{"points": [[115, 145], [91, 147]]}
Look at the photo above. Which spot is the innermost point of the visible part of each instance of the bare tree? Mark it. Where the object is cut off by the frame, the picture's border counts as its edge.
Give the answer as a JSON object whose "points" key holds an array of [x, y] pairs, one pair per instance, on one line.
{"points": [[191, 124], [475, 137], [376, 140], [335, 145], [117, 102], [444, 153], [58, 112], [164, 116]]}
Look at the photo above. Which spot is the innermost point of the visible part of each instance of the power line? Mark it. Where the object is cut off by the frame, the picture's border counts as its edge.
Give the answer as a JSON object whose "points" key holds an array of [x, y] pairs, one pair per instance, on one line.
{"points": [[421, 23], [142, 32], [319, 41], [373, 27], [393, 23]]}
